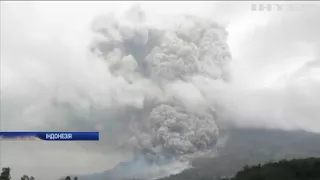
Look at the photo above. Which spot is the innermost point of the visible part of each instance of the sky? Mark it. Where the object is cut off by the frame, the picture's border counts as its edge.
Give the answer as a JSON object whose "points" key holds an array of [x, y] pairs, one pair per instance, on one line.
{"points": [[275, 73]]}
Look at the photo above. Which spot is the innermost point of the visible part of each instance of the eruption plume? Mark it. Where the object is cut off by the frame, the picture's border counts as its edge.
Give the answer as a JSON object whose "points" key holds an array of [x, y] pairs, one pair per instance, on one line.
{"points": [[154, 83], [166, 127]]}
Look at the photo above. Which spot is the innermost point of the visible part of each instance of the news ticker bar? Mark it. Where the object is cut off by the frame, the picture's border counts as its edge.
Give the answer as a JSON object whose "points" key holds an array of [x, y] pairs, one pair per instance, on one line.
{"points": [[50, 136]]}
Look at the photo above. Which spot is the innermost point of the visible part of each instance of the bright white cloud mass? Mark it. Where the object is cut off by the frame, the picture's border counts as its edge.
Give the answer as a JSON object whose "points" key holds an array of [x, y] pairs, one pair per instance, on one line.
{"points": [[155, 79]]}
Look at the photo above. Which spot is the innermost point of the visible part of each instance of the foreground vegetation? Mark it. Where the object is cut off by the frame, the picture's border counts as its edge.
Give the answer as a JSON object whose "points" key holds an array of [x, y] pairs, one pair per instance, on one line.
{"points": [[6, 175], [296, 169], [251, 147]]}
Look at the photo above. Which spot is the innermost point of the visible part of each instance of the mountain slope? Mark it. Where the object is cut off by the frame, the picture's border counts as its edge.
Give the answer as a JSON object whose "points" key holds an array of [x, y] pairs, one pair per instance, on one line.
{"points": [[243, 147], [250, 147], [297, 169]]}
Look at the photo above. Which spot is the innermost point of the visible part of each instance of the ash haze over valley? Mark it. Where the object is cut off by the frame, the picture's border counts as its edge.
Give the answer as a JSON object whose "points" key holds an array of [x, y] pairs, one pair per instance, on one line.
{"points": [[163, 82]]}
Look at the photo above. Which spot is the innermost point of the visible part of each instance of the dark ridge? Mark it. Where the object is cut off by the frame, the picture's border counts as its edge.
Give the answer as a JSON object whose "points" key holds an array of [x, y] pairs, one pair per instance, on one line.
{"points": [[247, 147], [296, 169]]}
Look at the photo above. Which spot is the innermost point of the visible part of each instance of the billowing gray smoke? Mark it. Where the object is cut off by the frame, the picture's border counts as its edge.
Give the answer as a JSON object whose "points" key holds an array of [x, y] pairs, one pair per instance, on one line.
{"points": [[165, 126], [151, 87]]}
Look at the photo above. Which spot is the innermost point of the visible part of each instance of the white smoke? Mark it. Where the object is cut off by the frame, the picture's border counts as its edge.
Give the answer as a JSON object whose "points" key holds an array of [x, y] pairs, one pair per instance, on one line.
{"points": [[167, 124], [153, 89], [134, 85]]}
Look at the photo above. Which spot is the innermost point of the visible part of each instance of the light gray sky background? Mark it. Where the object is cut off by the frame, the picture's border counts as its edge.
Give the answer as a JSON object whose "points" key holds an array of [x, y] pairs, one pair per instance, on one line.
{"points": [[275, 72]]}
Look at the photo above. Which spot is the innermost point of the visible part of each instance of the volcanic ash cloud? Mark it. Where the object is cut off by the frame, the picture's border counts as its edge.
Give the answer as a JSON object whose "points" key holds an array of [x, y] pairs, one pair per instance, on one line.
{"points": [[166, 127]]}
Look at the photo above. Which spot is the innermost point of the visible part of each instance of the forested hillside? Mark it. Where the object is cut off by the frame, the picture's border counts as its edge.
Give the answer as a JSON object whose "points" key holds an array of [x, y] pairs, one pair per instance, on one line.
{"points": [[297, 169], [252, 147], [243, 155]]}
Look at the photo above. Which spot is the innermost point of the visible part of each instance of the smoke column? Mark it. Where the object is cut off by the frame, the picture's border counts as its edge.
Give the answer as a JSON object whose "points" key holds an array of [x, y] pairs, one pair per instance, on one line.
{"points": [[154, 90], [175, 123]]}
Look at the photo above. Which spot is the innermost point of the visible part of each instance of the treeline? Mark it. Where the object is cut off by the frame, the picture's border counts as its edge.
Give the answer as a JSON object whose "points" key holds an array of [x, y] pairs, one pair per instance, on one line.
{"points": [[251, 147], [6, 175], [296, 169]]}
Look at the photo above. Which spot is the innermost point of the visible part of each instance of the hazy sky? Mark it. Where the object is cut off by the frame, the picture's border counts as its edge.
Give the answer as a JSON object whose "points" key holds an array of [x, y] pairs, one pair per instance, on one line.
{"points": [[275, 68]]}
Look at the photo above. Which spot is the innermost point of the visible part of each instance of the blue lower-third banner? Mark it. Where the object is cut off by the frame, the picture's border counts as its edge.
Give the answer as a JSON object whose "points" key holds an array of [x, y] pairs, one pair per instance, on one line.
{"points": [[50, 136]]}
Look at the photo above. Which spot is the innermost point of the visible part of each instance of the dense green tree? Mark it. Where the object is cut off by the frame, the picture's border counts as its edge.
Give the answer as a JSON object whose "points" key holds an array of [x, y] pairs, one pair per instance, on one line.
{"points": [[5, 174], [25, 177], [296, 169]]}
